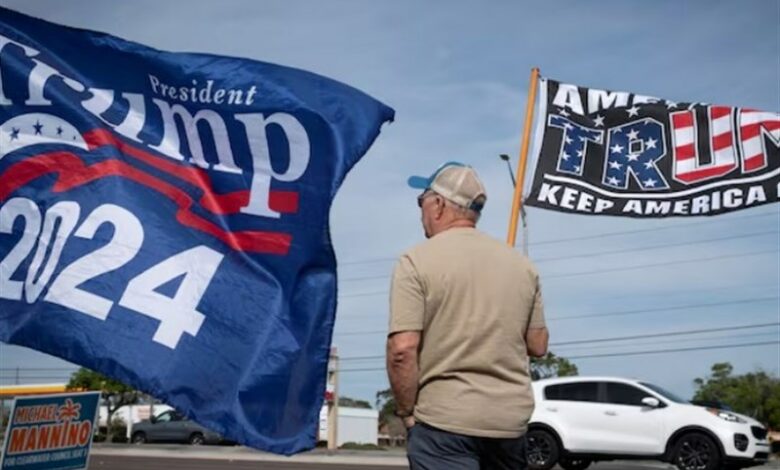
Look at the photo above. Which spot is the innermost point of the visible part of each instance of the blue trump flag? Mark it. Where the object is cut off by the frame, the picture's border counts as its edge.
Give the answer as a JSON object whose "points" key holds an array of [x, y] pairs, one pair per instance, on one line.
{"points": [[164, 220]]}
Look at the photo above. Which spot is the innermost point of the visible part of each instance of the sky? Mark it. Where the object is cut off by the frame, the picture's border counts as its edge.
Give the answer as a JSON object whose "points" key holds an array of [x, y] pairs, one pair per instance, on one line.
{"points": [[456, 73]]}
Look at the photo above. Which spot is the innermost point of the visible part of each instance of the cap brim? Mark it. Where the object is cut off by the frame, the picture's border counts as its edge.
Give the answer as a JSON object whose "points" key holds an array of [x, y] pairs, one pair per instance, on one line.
{"points": [[418, 182]]}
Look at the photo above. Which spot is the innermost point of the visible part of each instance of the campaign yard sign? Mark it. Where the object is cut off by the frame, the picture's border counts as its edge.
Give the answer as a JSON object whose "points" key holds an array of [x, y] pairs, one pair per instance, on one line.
{"points": [[50, 432]]}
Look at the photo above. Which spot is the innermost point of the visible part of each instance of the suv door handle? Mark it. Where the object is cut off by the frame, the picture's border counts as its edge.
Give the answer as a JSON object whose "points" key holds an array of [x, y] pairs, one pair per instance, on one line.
{"points": [[610, 413], [550, 408]]}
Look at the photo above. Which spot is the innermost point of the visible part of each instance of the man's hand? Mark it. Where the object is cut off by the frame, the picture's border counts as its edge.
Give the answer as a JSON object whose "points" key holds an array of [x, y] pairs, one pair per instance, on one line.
{"points": [[409, 422]]}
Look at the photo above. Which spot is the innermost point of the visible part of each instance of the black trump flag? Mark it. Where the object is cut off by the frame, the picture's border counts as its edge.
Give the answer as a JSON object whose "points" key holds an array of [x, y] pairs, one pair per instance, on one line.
{"points": [[623, 154]]}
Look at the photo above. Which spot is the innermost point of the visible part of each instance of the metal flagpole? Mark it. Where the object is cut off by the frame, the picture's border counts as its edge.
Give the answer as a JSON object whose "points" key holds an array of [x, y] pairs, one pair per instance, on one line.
{"points": [[517, 200]]}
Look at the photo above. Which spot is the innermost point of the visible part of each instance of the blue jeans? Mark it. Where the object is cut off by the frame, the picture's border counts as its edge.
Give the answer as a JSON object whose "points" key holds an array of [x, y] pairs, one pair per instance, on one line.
{"points": [[429, 448]]}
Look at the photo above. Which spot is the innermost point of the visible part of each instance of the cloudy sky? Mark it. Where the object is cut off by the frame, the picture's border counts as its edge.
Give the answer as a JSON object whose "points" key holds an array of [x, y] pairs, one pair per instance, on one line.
{"points": [[456, 72]]}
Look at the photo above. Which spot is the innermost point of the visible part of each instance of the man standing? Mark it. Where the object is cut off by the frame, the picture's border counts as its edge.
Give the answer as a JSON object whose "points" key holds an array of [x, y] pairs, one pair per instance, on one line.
{"points": [[465, 315]]}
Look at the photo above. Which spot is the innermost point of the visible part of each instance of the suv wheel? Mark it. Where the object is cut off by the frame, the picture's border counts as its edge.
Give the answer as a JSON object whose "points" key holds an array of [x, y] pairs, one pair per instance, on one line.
{"points": [[695, 451], [197, 439], [138, 438], [542, 450], [568, 463]]}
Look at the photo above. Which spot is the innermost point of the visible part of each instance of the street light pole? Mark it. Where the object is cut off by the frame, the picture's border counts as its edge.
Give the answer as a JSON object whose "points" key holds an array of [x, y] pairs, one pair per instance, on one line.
{"points": [[505, 157]]}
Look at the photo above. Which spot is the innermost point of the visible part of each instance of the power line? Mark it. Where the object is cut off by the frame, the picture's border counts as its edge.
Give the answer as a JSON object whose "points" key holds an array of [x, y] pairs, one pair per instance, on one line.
{"points": [[659, 335], [583, 273], [608, 252], [631, 353], [623, 338], [24, 370], [621, 312], [594, 236], [654, 229], [565, 350], [664, 309], [667, 263], [655, 247], [664, 351]]}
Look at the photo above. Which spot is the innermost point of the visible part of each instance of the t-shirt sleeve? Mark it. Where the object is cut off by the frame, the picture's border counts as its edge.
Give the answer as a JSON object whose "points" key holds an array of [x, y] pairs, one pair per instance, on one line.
{"points": [[537, 312], [407, 300]]}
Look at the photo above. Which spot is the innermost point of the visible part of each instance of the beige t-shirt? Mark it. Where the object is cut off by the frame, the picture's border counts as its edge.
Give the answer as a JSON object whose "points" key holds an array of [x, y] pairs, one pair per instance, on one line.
{"points": [[472, 298]]}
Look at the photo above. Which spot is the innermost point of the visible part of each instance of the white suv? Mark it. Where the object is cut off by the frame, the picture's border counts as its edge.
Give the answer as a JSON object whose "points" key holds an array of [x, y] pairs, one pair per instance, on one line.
{"points": [[579, 420]]}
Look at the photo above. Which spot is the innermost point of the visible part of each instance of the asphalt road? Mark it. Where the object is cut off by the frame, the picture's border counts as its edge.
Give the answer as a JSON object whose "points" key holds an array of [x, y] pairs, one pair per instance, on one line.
{"points": [[156, 463], [184, 457], [143, 463], [114, 462]]}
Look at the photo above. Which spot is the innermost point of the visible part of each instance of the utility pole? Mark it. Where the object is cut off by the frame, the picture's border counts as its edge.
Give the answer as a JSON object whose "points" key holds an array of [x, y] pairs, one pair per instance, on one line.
{"points": [[332, 396]]}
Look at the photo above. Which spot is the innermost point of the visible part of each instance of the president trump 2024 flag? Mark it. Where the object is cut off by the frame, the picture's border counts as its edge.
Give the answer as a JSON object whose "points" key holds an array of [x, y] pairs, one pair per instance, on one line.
{"points": [[617, 153], [164, 220]]}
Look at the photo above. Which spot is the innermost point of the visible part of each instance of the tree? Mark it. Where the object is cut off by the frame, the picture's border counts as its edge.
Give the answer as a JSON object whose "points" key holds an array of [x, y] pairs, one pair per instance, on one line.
{"points": [[552, 366], [353, 403], [388, 421], [755, 394], [385, 403], [114, 393]]}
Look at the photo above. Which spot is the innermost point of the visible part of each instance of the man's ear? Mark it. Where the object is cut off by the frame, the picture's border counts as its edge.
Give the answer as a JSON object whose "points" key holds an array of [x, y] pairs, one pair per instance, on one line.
{"points": [[440, 204]]}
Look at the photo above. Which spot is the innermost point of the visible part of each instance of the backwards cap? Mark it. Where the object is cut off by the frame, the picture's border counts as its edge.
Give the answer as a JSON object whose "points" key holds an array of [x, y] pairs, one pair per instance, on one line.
{"points": [[454, 181]]}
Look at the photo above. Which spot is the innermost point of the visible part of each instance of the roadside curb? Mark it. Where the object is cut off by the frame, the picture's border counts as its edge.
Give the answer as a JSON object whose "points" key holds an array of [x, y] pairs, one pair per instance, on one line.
{"points": [[246, 454]]}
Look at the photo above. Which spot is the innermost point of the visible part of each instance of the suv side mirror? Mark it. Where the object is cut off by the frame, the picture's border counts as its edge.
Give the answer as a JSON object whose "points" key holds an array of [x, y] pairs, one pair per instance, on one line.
{"points": [[651, 402]]}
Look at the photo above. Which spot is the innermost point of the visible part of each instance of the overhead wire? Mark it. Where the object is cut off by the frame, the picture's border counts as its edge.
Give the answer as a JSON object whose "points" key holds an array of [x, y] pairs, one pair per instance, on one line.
{"points": [[624, 338], [629, 353], [670, 308], [595, 236], [594, 271]]}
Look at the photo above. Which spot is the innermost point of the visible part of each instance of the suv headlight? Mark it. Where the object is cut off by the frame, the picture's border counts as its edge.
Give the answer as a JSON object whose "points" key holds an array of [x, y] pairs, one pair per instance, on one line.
{"points": [[730, 417]]}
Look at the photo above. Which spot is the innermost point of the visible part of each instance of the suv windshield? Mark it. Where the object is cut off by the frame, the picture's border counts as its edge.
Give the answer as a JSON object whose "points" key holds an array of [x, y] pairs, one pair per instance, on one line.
{"points": [[664, 393]]}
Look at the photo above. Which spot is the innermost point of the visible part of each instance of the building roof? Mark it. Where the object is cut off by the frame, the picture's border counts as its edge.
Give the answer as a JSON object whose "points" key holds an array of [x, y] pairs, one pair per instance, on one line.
{"points": [[10, 391]]}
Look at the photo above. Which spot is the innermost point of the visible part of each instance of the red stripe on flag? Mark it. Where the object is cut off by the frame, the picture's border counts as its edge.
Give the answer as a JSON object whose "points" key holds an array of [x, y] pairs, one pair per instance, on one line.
{"points": [[682, 119], [72, 172], [684, 152], [752, 130], [285, 202], [755, 162], [696, 175], [721, 141], [719, 111]]}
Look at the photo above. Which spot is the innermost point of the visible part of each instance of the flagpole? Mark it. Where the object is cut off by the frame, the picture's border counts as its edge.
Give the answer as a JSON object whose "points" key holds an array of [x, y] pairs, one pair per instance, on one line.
{"points": [[517, 200]]}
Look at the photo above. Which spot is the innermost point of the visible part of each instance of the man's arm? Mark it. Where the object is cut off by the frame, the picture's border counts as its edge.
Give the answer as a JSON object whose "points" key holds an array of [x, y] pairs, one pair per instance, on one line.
{"points": [[403, 370], [537, 336], [536, 340]]}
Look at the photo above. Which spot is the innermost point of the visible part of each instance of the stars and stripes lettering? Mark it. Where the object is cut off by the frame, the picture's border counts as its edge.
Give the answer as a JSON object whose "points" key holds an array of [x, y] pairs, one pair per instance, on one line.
{"points": [[633, 150], [574, 143], [757, 131], [687, 161]]}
